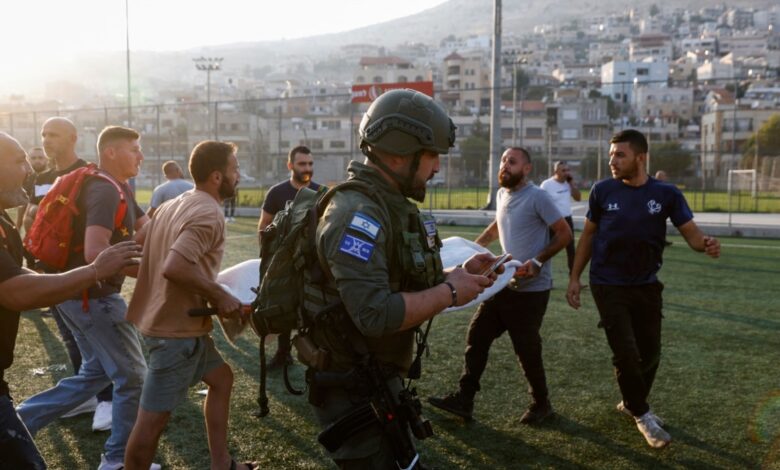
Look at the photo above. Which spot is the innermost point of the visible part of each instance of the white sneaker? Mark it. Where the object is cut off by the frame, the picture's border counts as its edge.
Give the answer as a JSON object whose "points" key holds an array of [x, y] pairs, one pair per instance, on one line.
{"points": [[654, 434], [86, 407], [622, 408], [106, 465], [102, 419]]}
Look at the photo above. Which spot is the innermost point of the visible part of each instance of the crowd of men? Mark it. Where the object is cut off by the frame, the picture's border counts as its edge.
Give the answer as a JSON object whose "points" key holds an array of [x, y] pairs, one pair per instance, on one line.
{"points": [[382, 278]]}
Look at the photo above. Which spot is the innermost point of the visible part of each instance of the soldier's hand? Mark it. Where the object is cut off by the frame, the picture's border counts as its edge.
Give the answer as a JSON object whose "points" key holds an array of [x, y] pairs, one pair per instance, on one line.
{"points": [[480, 262], [468, 286], [115, 258]]}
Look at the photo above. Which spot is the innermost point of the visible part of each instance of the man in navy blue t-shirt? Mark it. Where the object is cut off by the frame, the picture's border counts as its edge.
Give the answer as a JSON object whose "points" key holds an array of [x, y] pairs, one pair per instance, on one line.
{"points": [[623, 238], [301, 166]]}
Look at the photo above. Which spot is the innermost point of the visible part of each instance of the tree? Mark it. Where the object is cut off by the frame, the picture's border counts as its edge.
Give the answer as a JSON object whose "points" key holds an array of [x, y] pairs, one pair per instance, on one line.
{"points": [[654, 10], [670, 157], [768, 142], [475, 150]]}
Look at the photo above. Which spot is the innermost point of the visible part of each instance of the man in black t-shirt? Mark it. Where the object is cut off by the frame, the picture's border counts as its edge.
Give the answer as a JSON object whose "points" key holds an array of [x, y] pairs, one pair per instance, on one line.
{"points": [[301, 166], [39, 163], [21, 289]]}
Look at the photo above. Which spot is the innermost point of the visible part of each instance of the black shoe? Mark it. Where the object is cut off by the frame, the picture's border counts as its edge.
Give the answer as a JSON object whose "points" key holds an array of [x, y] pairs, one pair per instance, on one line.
{"points": [[455, 403], [536, 413], [280, 359]]}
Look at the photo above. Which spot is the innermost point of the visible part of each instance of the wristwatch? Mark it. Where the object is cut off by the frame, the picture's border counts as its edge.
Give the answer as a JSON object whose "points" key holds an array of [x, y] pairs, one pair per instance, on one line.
{"points": [[537, 262]]}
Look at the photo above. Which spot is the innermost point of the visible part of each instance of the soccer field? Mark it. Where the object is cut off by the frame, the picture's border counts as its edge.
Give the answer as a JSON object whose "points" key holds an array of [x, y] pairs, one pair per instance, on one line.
{"points": [[718, 386]]}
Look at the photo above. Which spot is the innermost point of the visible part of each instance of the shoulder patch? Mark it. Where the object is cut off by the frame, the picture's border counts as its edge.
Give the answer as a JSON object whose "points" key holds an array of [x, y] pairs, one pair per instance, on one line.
{"points": [[365, 224], [355, 247]]}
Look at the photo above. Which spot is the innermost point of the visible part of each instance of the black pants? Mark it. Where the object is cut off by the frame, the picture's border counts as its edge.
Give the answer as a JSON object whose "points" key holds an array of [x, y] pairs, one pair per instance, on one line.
{"points": [[519, 313], [570, 246], [17, 448], [631, 318]]}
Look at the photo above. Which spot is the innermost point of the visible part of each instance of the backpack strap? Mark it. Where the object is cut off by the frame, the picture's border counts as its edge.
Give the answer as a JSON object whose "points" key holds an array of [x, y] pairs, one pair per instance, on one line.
{"points": [[121, 211]]}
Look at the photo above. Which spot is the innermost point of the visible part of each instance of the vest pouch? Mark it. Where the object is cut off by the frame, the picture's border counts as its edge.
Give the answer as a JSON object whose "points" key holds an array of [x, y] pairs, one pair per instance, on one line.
{"points": [[309, 353], [272, 320]]}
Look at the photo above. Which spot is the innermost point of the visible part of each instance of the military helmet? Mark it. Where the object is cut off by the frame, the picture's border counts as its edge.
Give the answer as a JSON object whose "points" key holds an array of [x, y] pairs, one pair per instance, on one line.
{"points": [[405, 122]]}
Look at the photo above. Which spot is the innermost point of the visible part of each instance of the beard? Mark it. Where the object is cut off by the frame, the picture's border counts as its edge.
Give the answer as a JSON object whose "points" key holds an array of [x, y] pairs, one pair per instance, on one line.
{"points": [[227, 189], [509, 180], [303, 177], [13, 198]]}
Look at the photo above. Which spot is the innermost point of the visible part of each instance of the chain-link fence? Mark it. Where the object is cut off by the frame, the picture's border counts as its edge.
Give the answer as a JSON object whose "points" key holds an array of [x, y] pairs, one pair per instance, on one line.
{"points": [[266, 129]]}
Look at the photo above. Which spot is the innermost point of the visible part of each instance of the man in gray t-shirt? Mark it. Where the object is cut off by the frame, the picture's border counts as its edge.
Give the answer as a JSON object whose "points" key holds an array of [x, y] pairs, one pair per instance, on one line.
{"points": [[172, 188], [525, 217]]}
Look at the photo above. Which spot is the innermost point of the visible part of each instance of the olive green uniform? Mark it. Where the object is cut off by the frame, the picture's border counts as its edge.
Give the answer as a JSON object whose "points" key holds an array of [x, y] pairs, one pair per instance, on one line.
{"points": [[394, 250]]}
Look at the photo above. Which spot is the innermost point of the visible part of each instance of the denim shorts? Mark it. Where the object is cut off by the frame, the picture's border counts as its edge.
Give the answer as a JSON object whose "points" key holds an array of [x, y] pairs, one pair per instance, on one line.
{"points": [[176, 364]]}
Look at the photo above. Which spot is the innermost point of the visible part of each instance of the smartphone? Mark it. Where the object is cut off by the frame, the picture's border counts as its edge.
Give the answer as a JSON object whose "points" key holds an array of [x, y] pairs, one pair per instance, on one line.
{"points": [[498, 262]]}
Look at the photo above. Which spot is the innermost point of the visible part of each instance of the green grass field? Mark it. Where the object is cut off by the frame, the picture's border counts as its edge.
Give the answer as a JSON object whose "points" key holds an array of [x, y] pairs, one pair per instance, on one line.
{"points": [[717, 387]]}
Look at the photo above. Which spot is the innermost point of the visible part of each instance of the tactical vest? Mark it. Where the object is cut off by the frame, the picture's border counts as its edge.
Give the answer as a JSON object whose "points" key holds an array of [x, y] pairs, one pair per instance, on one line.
{"points": [[414, 265]]}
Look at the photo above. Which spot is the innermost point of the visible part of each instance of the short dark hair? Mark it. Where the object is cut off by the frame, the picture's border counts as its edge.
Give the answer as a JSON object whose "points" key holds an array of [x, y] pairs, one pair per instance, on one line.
{"points": [[112, 134], [296, 150], [209, 156], [169, 167], [524, 151], [636, 140]]}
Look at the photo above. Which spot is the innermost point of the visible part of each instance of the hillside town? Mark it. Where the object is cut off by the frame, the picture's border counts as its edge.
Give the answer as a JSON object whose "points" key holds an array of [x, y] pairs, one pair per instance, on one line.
{"points": [[699, 83]]}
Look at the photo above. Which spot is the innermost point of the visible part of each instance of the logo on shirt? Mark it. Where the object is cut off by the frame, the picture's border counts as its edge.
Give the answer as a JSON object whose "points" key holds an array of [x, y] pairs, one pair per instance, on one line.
{"points": [[612, 207], [356, 247], [653, 207]]}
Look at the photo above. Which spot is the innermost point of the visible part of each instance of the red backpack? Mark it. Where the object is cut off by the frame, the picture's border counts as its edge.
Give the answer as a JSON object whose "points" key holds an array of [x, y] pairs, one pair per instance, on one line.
{"points": [[51, 235]]}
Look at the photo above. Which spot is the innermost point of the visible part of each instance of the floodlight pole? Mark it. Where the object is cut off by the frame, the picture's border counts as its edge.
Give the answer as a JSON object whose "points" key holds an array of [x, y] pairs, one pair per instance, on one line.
{"points": [[208, 64]]}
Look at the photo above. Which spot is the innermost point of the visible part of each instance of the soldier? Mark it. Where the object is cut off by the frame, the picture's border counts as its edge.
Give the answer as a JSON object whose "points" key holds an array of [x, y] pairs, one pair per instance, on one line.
{"points": [[384, 279]]}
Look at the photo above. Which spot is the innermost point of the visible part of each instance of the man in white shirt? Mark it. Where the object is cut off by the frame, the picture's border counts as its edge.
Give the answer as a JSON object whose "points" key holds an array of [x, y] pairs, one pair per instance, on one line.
{"points": [[561, 189]]}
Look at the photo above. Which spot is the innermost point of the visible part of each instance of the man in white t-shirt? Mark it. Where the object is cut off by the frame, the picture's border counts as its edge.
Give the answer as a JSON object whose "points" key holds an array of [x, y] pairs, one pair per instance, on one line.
{"points": [[561, 189]]}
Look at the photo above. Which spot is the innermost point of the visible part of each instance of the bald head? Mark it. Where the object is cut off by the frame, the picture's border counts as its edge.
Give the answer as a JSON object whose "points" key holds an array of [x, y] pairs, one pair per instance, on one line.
{"points": [[13, 170], [59, 137]]}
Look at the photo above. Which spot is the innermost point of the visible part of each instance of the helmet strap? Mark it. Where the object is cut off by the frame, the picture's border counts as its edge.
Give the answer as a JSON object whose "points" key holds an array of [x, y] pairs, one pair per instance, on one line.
{"points": [[404, 183]]}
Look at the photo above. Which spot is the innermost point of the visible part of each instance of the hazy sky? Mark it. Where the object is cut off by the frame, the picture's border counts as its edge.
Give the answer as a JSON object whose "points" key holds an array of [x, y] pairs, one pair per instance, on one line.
{"points": [[36, 30], [177, 24]]}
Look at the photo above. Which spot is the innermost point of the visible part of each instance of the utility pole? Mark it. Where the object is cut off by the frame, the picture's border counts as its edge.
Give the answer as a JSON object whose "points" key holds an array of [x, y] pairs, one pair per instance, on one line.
{"points": [[495, 109], [127, 56], [208, 64]]}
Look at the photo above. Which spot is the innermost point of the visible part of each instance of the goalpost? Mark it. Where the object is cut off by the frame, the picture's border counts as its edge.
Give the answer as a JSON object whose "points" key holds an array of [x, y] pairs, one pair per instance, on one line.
{"points": [[741, 181]]}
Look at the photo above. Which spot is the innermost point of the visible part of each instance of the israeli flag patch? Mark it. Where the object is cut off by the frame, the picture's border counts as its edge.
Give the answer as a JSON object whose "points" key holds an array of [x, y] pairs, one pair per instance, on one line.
{"points": [[365, 224], [355, 247]]}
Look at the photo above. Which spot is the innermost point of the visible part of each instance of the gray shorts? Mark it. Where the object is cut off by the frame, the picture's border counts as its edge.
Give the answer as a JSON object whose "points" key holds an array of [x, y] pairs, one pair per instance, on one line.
{"points": [[176, 364]]}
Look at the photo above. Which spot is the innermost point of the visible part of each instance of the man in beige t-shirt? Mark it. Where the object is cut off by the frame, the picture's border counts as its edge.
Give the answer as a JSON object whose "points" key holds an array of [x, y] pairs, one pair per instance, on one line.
{"points": [[183, 248]]}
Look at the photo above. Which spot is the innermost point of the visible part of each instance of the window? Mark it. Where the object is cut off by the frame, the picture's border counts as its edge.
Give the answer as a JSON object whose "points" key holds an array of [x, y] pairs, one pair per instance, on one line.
{"points": [[377, 79], [570, 115], [569, 134], [402, 79], [283, 144], [533, 132], [642, 72], [331, 124], [337, 144], [315, 144]]}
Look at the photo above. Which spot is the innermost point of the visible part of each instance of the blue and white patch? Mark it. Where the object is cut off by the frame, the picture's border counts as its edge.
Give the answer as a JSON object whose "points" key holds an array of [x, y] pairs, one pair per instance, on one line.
{"points": [[365, 224], [355, 247], [430, 227]]}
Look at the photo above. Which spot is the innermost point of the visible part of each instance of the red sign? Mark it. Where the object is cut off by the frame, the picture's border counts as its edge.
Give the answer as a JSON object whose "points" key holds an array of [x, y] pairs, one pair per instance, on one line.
{"points": [[370, 92]]}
